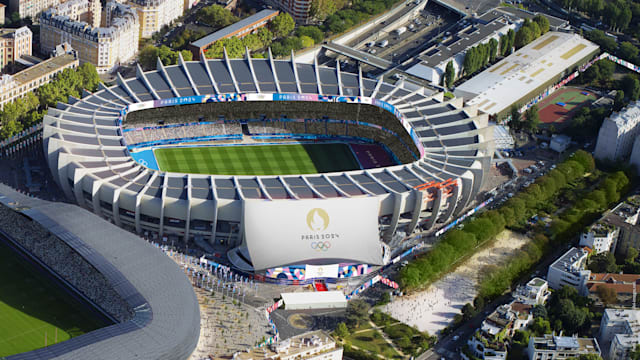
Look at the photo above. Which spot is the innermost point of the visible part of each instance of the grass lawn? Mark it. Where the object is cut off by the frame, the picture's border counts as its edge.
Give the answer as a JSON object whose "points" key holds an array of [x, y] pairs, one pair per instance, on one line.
{"points": [[372, 341], [32, 305], [257, 159]]}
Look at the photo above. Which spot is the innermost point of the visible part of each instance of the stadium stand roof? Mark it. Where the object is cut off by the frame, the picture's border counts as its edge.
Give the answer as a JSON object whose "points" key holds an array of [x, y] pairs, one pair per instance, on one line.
{"points": [[166, 321], [526, 70]]}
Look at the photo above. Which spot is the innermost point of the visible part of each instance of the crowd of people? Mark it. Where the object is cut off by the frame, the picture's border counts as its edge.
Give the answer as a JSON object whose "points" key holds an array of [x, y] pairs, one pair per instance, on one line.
{"points": [[183, 131], [64, 261]]}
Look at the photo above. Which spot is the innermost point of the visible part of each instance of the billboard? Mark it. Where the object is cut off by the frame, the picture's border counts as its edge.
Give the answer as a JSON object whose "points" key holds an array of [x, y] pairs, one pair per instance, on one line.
{"points": [[313, 231], [321, 271]]}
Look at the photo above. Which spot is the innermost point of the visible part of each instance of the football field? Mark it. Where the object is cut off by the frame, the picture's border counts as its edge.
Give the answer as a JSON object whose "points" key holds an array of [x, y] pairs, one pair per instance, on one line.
{"points": [[257, 159], [33, 309]]}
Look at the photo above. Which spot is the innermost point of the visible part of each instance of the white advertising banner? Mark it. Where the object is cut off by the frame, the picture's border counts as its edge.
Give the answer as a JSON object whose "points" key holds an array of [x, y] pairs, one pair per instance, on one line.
{"points": [[283, 232], [321, 271]]}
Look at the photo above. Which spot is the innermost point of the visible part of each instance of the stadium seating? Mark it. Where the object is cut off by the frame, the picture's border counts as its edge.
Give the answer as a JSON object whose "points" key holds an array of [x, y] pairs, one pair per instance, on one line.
{"points": [[64, 261]]}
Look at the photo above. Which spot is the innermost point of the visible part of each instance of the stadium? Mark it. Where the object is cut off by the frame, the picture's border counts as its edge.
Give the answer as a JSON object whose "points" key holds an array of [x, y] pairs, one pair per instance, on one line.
{"points": [[297, 170]]}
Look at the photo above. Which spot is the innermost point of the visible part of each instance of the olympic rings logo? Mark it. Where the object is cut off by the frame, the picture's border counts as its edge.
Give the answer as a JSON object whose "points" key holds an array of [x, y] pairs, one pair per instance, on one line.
{"points": [[321, 245], [143, 162]]}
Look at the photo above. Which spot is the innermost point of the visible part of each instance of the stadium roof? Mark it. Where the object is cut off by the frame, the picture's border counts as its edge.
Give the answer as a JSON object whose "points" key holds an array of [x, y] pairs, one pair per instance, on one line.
{"points": [[166, 321], [524, 71], [85, 133]]}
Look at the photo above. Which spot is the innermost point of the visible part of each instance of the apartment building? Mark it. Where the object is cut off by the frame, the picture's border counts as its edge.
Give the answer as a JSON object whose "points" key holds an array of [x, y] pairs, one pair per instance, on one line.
{"points": [[3, 8], [105, 47], [88, 11], [569, 270], [625, 286], [154, 14], [535, 292], [298, 9], [618, 132], [14, 43], [600, 237], [30, 8], [551, 347], [619, 333], [18, 85]]}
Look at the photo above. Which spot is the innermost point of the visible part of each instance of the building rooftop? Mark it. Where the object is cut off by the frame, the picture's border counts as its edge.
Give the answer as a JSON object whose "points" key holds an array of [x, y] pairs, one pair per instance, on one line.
{"points": [[554, 22], [526, 70], [570, 260], [628, 115], [467, 37], [222, 33], [567, 343], [601, 228], [44, 68]]}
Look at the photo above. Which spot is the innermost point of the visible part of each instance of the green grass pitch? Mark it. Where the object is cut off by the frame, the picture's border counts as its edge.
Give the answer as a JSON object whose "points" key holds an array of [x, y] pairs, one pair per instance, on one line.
{"points": [[31, 305], [287, 159]]}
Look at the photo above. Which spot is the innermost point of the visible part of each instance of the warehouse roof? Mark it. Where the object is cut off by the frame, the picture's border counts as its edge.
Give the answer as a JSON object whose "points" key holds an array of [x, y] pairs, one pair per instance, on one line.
{"points": [[525, 70]]}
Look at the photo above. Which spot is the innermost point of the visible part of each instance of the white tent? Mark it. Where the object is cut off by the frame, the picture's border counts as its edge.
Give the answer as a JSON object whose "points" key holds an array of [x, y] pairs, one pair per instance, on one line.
{"points": [[314, 300]]}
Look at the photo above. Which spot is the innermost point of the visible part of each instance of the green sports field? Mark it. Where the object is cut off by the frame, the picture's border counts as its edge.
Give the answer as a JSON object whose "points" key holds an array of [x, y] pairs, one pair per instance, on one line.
{"points": [[32, 306], [257, 159]]}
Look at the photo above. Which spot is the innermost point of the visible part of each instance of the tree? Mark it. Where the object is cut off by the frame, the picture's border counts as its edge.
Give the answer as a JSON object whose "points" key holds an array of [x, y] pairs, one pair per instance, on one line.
{"points": [[216, 16], [306, 41], [186, 55], [90, 77], [628, 51], [572, 317], [605, 42], [607, 295], [252, 41], [147, 57], [449, 75], [604, 262], [631, 87], [523, 37], [357, 313], [540, 326], [542, 22], [282, 25], [468, 311], [10, 128], [516, 119], [313, 32], [586, 357], [635, 353], [539, 311], [532, 117], [265, 36], [511, 40], [619, 101], [342, 331], [320, 9], [493, 49]]}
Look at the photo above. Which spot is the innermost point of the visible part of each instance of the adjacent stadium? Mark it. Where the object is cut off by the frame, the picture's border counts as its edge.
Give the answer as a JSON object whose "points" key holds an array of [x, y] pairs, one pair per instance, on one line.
{"points": [[289, 166]]}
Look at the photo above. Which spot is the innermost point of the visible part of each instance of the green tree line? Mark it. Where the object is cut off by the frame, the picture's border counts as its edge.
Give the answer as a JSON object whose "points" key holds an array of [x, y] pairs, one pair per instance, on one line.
{"points": [[27, 111], [459, 243], [148, 56]]}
